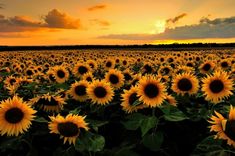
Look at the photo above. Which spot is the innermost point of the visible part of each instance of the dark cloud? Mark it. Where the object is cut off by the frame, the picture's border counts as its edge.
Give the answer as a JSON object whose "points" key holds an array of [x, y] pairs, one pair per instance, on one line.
{"points": [[97, 7], [217, 28], [100, 22], [53, 20], [176, 19]]}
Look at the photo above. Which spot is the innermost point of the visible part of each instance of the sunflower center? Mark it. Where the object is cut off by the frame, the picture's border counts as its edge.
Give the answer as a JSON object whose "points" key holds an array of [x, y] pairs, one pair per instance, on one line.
{"points": [[89, 79], [133, 97], [113, 79], [184, 84], [207, 67], [82, 70], [12, 81], [100, 92], [148, 68], [224, 64], [29, 72], [127, 77], [80, 90], [151, 90], [166, 71], [46, 102], [68, 129], [216, 86], [230, 129], [51, 77], [60, 73], [108, 64], [14, 115]]}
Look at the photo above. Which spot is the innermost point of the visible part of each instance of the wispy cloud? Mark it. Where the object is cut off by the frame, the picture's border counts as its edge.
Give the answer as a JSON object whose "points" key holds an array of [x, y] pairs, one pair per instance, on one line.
{"points": [[206, 28], [97, 7]]}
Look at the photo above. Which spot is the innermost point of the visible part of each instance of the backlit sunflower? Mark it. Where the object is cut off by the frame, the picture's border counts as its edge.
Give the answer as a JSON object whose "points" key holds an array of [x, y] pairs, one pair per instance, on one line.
{"points": [[151, 91], [224, 127], [78, 90], [61, 74], [15, 116], [129, 97], [48, 103], [185, 83], [216, 87], [115, 77], [68, 128], [100, 92]]}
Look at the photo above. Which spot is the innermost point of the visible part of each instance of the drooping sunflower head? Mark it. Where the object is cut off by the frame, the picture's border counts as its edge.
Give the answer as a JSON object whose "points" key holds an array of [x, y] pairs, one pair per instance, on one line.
{"points": [[185, 83], [151, 91], [48, 103], [15, 116], [224, 128], [216, 87], [115, 78], [78, 90], [51, 75], [69, 127], [129, 99], [100, 92]]}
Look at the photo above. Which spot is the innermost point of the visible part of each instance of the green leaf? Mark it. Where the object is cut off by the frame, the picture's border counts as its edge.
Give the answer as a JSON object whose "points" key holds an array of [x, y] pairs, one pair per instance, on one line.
{"points": [[134, 122], [95, 124], [136, 103], [90, 142], [153, 141], [172, 113], [40, 119], [75, 111], [147, 124]]}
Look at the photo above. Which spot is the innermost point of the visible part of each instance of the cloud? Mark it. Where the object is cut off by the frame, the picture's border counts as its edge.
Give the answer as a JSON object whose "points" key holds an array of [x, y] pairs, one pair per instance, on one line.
{"points": [[57, 19], [53, 20], [176, 19], [100, 22], [206, 28], [2, 6], [97, 7]]}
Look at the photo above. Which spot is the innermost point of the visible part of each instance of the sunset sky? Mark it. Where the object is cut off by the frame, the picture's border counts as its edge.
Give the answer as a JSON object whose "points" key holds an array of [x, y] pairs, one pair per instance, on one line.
{"points": [[72, 22]]}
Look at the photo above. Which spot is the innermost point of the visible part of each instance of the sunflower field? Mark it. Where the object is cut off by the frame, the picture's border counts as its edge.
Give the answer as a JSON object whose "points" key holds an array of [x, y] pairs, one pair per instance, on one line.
{"points": [[117, 103]]}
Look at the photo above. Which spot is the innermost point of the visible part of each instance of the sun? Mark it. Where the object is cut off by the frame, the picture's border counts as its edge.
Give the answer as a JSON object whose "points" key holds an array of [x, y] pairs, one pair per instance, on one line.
{"points": [[159, 27]]}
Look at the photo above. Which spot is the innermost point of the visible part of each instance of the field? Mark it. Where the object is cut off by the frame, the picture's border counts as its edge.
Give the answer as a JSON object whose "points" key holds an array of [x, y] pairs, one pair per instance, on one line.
{"points": [[117, 102]]}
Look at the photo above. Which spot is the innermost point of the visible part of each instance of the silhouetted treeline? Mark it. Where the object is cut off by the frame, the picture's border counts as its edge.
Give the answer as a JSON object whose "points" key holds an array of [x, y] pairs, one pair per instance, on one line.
{"points": [[174, 46]]}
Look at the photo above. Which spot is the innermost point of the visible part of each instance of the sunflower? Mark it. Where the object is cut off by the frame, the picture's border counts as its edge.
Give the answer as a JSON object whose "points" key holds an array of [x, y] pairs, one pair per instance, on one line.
{"points": [[61, 74], [109, 64], [224, 127], [115, 77], [185, 83], [217, 86], [78, 90], [51, 75], [165, 70], [171, 100], [88, 77], [69, 127], [48, 103], [151, 91], [206, 67], [100, 92], [15, 116], [128, 99], [29, 72], [80, 69]]}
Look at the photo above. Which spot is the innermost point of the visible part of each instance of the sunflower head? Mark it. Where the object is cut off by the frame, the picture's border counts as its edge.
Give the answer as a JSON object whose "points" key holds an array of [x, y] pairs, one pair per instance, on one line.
{"points": [[69, 127], [115, 78], [78, 90]]}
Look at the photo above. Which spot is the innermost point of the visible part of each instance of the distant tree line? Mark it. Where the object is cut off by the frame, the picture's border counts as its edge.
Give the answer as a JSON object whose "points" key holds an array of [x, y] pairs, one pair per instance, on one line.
{"points": [[174, 46]]}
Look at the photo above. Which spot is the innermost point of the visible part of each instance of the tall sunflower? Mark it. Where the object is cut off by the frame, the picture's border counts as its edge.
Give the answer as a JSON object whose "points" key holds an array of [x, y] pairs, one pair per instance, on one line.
{"points": [[78, 90], [48, 103], [185, 83], [100, 92], [151, 91], [115, 77], [224, 127], [129, 97], [15, 116], [69, 127], [217, 86]]}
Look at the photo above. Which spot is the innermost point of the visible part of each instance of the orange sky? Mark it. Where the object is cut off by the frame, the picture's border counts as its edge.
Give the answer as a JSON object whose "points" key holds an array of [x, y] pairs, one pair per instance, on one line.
{"points": [[67, 22]]}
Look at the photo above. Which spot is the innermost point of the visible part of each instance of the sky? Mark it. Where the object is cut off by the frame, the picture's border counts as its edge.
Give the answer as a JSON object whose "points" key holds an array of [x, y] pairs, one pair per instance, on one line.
{"points": [[111, 22]]}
